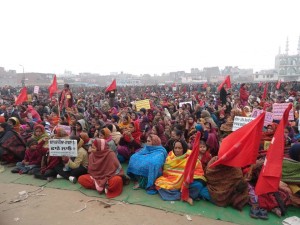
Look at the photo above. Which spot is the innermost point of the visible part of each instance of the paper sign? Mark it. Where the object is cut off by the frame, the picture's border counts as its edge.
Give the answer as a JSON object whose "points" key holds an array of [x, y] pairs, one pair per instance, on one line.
{"points": [[267, 145], [278, 110], [174, 88], [36, 89], [142, 104], [240, 121], [268, 116], [63, 147], [181, 103]]}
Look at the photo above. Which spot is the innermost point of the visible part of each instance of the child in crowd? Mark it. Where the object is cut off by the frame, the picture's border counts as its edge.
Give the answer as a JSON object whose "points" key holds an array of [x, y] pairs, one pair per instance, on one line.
{"points": [[204, 154], [31, 160]]}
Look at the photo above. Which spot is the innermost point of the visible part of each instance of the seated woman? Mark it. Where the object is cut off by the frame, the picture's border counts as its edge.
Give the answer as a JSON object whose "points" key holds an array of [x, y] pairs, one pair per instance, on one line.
{"points": [[106, 135], [170, 183], [12, 146], [130, 141], [39, 133], [145, 166], [226, 185], [105, 173], [72, 168]]}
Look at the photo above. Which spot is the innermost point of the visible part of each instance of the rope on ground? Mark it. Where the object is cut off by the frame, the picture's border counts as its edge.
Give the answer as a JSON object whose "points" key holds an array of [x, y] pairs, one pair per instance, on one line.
{"points": [[23, 195], [106, 204]]}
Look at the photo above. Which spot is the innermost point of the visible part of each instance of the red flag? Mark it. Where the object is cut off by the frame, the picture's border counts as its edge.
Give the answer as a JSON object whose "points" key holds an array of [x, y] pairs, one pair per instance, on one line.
{"points": [[226, 81], [240, 148], [260, 84], [264, 96], [270, 174], [278, 84], [53, 87], [22, 96], [204, 85], [112, 86], [188, 174]]}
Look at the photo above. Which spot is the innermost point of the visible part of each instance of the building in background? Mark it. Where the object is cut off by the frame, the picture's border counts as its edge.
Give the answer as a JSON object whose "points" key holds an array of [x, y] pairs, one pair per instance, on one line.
{"points": [[288, 66]]}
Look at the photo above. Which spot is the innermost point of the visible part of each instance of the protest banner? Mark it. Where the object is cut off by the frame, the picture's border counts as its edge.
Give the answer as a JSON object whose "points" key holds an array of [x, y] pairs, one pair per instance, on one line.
{"points": [[142, 104], [63, 147], [268, 116], [36, 89], [278, 110], [181, 103], [240, 121]]}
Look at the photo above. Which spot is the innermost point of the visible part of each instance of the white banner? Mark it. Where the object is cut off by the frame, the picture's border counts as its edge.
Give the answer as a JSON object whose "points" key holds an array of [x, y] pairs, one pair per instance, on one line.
{"points": [[63, 147], [181, 103], [240, 121], [36, 89]]}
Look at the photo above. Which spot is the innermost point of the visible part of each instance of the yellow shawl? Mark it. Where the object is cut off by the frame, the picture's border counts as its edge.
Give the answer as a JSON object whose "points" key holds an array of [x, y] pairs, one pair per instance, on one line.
{"points": [[172, 177]]}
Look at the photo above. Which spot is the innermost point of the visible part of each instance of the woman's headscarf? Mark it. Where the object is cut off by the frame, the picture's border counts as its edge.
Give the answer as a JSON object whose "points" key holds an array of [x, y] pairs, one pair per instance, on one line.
{"points": [[43, 135], [103, 164], [16, 124], [60, 133], [155, 140], [115, 135], [123, 124], [137, 132]]}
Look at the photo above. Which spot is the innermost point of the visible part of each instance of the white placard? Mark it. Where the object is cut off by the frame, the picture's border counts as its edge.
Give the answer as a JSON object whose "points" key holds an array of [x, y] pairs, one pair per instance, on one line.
{"points": [[174, 88], [181, 103], [36, 89], [268, 117], [63, 147], [278, 110], [240, 121]]}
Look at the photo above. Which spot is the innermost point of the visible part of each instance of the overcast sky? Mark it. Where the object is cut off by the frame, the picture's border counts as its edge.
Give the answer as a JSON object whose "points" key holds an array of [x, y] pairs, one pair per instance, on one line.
{"points": [[137, 36]]}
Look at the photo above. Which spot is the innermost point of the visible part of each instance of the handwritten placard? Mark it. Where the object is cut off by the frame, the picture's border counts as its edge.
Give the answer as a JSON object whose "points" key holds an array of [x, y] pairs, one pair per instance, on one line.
{"points": [[278, 110], [240, 121], [63, 147], [268, 116], [36, 89], [142, 104]]}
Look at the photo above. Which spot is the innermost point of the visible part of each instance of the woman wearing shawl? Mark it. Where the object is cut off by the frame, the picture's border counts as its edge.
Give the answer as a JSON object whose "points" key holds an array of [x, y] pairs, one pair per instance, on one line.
{"points": [[226, 185], [106, 135], [130, 141], [39, 133], [206, 116], [145, 166], [33, 115], [26, 130], [268, 135], [115, 134], [210, 136], [105, 171], [15, 123], [170, 183], [12, 146], [160, 132], [124, 122], [227, 126], [244, 94]]}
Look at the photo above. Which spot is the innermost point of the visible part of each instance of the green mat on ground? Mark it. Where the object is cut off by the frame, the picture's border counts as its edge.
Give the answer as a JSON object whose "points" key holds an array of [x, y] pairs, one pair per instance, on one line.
{"points": [[140, 197]]}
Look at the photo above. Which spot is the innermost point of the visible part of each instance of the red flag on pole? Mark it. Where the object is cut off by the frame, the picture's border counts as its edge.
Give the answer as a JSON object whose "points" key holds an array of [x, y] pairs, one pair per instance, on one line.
{"points": [[53, 87], [270, 174], [112, 86], [264, 96], [226, 81], [240, 148], [188, 174], [22, 96], [278, 84]]}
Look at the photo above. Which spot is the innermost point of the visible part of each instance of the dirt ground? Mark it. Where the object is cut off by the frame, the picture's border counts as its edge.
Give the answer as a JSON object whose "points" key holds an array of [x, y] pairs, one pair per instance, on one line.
{"points": [[52, 206]]}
